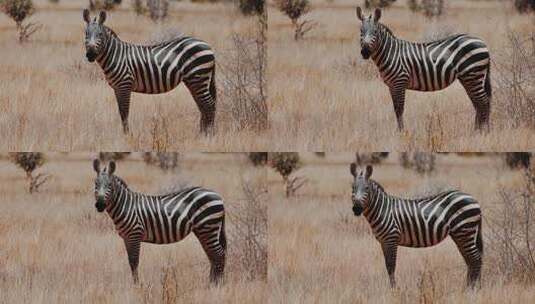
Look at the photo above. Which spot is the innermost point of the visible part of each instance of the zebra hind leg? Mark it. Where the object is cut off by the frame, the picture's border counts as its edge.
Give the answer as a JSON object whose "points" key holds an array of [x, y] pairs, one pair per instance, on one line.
{"points": [[203, 91], [470, 246], [477, 87], [214, 243]]}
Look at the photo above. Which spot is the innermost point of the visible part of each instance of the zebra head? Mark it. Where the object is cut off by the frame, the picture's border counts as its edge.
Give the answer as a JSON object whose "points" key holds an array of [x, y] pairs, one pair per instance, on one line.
{"points": [[369, 32], [361, 188], [96, 36], [103, 185]]}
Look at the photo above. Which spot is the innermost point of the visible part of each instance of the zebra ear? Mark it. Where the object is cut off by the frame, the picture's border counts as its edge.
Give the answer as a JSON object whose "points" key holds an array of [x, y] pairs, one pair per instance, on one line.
{"points": [[359, 13], [96, 165], [369, 171], [353, 169], [377, 14], [111, 167], [101, 17], [87, 19]]}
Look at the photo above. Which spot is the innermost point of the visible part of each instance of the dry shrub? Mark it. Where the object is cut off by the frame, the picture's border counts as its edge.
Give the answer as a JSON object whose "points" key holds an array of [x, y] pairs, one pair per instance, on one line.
{"points": [[421, 162], [158, 9], [115, 156], [103, 4], [164, 160], [524, 6], [258, 158], [286, 163], [29, 162], [515, 80], [378, 3], [249, 236], [370, 158], [251, 7], [430, 8], [512, 232], [516, 160], [243, 83], [19, 10], [296, 10]]}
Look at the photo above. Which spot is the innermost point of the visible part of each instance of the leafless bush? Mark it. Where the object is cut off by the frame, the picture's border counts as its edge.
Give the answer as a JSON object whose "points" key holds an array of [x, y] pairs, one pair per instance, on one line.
{"points": [[249, 236], [258, 158], [430, 8], [378, 3], [29, 162], [421, 162], [164, 160], [158, 9], [103, 4], [512, 232], [370, 158], [19, 10], [296, 10], [524, 6], [139, 7], [251, 7], [515, 80], [286, 163], [243, 81], [516, 160], [115, 156]]}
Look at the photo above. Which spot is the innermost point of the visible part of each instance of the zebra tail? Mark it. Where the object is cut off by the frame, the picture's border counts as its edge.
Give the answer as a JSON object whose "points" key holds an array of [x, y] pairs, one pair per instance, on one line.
{"points": [[488, 88], [223, 235], [213, 90], [479, 239]]}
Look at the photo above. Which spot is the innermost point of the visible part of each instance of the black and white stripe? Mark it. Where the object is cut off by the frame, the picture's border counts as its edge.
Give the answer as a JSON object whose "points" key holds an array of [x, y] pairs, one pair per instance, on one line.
{"points": [[163, 219], [153, 69], [422, 222], [428, 66]]}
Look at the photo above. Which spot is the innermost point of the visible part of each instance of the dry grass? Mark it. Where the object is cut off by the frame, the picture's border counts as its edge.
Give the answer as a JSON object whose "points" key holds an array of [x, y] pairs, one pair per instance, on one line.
{"points": [[325, 97], [57, 249], [320, 252], [53, 99]]}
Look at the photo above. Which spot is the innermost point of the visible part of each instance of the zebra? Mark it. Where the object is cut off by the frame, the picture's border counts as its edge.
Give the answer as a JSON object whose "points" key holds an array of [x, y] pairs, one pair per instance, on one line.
{"points": [[431, 66], [153, 69], [422, 222], [162, 219]]}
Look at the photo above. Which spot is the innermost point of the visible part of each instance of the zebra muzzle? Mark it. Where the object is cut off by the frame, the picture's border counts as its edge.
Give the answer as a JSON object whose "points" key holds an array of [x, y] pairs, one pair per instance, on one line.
{"points": [[357, 210], [365, 52], [91, 56], [100, 206]]}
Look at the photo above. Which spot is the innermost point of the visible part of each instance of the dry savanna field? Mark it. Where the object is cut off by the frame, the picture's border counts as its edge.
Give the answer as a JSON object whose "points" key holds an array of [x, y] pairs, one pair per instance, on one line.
{"points": [[53, 99], [319, 252], [56, 248], [325, 97]]}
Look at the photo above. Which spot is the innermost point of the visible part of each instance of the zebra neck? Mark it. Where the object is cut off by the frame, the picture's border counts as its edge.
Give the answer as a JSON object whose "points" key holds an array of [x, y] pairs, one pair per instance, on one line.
{"points": [[121, 197], [387, 45], [111, 53], [376, 199]]}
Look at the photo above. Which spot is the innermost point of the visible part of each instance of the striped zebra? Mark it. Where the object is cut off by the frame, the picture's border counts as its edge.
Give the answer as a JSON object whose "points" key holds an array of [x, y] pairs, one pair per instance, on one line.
{"points": [[153, 69], [428, 66], [422, 222], [163, 219]]}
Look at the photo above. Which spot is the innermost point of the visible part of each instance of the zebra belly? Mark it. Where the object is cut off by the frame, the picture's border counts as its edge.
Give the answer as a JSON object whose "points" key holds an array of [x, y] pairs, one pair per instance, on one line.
{"points": [[423, 234], [148, 87]]}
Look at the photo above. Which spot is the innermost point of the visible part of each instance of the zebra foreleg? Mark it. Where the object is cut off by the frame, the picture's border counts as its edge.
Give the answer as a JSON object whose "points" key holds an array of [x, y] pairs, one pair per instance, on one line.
{"points": [[390, 255], [122, 94], [398, 98], [133, 248]]}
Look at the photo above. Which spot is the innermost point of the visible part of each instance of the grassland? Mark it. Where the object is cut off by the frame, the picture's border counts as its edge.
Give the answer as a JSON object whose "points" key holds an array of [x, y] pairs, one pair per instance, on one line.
{"points": [[56, 248], [321, 253], [325, 97], [53, 99]]}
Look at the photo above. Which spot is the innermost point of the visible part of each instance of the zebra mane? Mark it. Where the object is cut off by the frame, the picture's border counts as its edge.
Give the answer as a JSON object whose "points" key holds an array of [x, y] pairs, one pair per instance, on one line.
{"points": [[385, 29], [378, 186], [120, 181], [111, 32]]}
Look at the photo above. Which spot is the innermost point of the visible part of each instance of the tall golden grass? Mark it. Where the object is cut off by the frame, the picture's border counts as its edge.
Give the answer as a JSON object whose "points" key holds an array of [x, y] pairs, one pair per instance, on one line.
{"points": [[325, 97], [53, 99], [321, 253], [56, 248]]}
